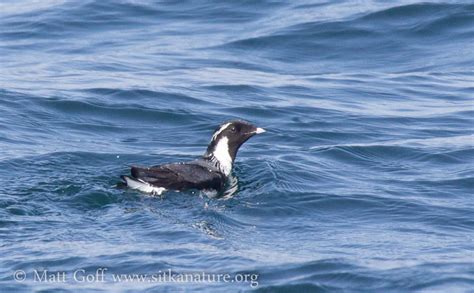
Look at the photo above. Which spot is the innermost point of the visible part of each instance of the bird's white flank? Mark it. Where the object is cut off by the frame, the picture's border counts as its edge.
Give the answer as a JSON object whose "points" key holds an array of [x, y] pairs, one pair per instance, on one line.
{"points": [[143, 186]]}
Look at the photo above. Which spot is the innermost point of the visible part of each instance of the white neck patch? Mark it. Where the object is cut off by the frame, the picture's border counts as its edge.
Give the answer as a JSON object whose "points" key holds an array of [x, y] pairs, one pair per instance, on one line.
{"points": [[221, 153]]}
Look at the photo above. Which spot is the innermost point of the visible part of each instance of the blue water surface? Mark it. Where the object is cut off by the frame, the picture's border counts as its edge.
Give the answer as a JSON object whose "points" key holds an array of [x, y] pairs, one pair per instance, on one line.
{"points": [[363, 181]]}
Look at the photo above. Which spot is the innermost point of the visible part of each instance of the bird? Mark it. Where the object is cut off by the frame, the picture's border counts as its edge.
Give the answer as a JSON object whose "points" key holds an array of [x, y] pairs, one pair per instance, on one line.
{"points": [[209, 172]]}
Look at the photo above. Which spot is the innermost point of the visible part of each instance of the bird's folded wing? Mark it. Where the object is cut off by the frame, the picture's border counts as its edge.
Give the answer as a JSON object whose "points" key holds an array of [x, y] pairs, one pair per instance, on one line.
{"points": [[179, 176]]}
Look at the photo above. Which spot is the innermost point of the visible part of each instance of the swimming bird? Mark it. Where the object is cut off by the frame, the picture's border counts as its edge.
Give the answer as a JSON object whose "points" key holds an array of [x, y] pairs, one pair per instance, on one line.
{"points": [[209, 172]]}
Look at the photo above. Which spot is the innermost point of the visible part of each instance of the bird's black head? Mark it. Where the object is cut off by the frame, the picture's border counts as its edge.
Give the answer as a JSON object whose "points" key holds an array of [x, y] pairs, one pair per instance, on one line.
{"points": [[227, 139]]}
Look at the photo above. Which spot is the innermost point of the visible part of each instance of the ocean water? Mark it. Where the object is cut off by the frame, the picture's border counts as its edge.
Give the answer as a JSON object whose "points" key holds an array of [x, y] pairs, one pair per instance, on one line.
{"points": [[363, 181]]}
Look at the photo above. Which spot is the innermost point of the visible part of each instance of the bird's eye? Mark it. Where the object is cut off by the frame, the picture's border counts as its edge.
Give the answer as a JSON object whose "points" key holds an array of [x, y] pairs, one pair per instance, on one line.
{"points": [[233, 129]]}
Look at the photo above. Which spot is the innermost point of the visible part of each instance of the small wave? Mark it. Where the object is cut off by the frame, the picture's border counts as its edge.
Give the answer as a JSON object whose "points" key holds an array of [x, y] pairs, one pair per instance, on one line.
{"points": [[462, 141]]}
